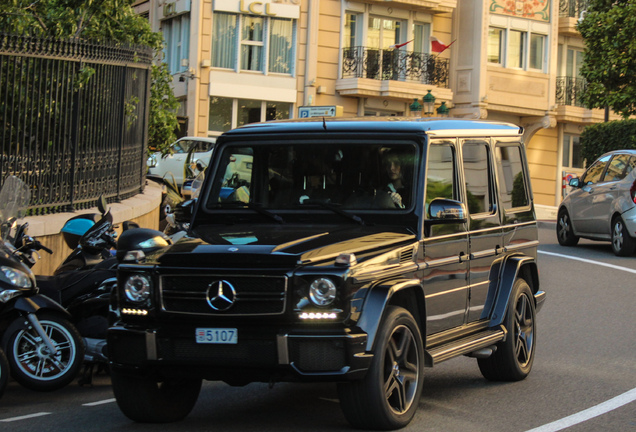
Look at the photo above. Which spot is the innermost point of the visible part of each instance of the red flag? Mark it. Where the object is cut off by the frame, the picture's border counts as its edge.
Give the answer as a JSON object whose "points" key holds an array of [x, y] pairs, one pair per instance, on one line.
{"points": [[438, 46], [398, 46]]}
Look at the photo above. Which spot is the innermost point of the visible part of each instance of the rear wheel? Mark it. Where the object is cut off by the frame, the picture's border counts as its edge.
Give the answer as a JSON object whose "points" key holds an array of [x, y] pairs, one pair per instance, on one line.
{"points": [[622, 242], [149, 400], [513, 359], [565, 233], [388, 396]]}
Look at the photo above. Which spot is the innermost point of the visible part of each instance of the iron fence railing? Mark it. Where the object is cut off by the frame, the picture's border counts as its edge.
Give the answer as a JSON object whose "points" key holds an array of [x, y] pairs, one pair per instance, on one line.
{"points": [[572, 8], [74, 119], [570, 90], [396, 65]]}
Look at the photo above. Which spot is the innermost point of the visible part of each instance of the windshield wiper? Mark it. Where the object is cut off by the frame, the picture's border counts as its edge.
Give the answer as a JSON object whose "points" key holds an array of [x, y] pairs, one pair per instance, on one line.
{"points": [[257, 208], [335, 209]]}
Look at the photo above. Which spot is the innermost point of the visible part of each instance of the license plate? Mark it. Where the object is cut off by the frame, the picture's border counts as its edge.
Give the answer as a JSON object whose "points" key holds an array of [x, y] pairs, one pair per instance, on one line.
{"points": [[216, 335]]}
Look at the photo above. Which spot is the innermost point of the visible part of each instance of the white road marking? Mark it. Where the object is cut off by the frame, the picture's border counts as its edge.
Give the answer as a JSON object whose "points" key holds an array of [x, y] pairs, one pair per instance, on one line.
{"points": [[604, 407], [24, 417], [105, 401], [589, 413], [612, 266]]}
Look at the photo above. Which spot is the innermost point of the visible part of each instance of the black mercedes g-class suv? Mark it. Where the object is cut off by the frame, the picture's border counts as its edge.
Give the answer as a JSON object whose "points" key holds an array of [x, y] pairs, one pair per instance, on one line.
{"points": [[357, 251]]}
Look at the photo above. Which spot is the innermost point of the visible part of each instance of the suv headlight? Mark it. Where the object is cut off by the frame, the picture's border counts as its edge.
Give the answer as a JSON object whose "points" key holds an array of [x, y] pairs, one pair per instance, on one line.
{"points": [[137, 288], [322, 292], [15, 277]]}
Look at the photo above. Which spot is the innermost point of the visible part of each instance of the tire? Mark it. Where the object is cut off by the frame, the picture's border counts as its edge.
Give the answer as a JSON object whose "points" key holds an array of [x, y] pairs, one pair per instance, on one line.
{"points": [[514, 357], [389, 394], [4, 372], [32, 365], [622, 242], [565, 233], [147, 400]]}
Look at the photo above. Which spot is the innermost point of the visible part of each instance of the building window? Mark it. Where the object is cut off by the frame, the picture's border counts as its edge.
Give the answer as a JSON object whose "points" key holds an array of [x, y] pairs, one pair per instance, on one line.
{"points": [[351, 30], [252, 43], [495, 45], [517, 49], [421, 37], [571, 152], [228, 113], [176, 33], [223, 40], [264, 44]]}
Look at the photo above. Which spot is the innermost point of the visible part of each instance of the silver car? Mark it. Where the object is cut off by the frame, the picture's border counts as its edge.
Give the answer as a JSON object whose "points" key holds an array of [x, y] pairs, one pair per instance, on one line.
{"points": [[175, 163], [601, 205]]}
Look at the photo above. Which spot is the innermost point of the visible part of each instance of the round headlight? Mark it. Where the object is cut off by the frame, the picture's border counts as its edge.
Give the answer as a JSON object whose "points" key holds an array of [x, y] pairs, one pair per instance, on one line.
{"points": [[137, 288], [15, 277], [322, 292]]}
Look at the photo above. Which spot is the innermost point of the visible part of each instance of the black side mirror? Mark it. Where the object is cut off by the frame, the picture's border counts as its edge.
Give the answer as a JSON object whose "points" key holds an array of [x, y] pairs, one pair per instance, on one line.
{"points": [[442, 210]]}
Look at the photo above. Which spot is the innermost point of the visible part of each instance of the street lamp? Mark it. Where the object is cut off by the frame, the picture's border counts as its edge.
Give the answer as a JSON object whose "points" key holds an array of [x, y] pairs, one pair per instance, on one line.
{"points": [[416, 108], [443, 110], [429, 103]]}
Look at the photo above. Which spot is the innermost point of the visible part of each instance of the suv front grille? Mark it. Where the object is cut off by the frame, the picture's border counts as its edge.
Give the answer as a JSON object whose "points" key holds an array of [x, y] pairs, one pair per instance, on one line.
{"points": [[252, 295]]}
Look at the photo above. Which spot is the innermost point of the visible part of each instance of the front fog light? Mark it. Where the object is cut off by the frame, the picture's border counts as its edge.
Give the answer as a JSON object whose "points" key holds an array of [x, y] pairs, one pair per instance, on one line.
{"points": [[322, 292], [137, 288]]}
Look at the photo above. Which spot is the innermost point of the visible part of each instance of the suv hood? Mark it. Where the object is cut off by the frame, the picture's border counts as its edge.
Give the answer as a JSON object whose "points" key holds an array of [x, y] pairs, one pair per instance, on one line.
{"points": [[278, 245]]}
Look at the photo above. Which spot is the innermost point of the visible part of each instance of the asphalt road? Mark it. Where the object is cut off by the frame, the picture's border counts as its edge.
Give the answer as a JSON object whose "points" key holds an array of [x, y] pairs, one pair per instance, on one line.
{"points": [[584, 374]]}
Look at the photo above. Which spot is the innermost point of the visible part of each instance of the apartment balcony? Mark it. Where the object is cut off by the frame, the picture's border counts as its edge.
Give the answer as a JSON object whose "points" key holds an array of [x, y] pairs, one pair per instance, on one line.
{"points": [[569, 99], [570, 11], [392, 74]]}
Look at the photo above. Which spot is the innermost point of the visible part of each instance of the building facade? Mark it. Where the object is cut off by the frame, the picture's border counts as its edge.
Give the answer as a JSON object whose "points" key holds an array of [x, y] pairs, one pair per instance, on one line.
{"points": [[241, 61]]}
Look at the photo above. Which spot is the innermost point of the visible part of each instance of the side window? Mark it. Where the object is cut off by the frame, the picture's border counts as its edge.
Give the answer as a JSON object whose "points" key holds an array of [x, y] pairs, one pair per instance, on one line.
{"points": [[616, 170], [440, 175], [510, 175], [477, 176], [593, 174]]}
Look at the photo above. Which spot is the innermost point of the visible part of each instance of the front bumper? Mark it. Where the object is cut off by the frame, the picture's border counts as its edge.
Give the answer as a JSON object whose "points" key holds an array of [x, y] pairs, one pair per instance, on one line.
{"points": [[259, 355]]}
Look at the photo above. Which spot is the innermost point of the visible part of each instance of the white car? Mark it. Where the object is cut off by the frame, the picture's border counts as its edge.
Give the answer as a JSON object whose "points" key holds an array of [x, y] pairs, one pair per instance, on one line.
{"points": [[175, 164]]}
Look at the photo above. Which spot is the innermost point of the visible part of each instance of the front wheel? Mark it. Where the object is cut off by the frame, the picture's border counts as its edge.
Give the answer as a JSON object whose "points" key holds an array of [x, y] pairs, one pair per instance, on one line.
{"points": [[514, 357], [32, 363], [388, 396], [622, 242], [148, 400], [565, 232]]}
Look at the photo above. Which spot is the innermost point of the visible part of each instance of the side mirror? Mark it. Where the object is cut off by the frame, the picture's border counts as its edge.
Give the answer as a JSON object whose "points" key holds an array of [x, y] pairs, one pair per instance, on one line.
{"points": [[574, 182], [102, 205], [442, 210]]}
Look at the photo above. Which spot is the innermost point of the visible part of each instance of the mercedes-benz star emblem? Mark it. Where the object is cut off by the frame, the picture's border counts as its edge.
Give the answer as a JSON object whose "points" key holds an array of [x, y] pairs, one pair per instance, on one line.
{"points": [[221, 295]]}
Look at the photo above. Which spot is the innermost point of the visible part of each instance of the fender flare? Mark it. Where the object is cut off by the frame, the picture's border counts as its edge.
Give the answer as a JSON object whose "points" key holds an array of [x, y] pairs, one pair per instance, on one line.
{"points": [[511, 268], [376, 302]]}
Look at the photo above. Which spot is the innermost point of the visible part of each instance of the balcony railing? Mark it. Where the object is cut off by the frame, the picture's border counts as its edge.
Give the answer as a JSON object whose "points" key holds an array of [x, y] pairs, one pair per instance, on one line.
{"points": [[572, 8], [396, 65], [570, 90]]}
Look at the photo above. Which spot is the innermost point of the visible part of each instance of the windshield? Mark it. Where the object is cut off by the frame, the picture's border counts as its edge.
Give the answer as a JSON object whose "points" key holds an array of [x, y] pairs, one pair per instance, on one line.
{"points": [[372, 177], [14, 200]]}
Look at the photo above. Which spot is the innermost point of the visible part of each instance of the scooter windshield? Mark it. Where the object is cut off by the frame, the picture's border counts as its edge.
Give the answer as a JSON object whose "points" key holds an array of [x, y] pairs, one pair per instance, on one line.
{"points": [[14, 200]]}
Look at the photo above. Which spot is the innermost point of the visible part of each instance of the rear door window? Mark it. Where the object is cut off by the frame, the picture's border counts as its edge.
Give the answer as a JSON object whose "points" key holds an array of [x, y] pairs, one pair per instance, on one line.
{"points": [[617, 168], [510, 176]]}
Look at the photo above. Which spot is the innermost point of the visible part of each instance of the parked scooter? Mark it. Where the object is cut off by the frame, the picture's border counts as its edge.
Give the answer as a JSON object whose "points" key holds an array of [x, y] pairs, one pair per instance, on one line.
{"points": [[44, 350], [84, 281]]}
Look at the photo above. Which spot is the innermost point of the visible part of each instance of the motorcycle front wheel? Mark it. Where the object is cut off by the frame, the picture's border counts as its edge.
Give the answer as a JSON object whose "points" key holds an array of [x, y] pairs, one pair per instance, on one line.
{"points": [[32, 363]]}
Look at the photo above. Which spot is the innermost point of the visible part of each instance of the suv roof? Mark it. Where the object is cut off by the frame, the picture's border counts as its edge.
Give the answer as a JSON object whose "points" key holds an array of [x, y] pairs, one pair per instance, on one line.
{"points": [[433, 126]]}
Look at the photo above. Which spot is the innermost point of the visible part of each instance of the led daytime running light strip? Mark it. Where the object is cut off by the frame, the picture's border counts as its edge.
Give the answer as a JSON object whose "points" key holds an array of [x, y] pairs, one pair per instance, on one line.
{"points": [[129, 311], [318, 315]]}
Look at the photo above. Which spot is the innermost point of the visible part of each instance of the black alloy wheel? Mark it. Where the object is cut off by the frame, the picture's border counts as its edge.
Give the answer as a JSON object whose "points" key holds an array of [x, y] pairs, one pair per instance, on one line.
{"points": [[622, 243], [565, 233]]}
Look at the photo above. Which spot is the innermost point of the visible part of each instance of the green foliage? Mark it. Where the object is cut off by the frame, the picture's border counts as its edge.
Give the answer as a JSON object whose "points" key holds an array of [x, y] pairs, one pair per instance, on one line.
{"points": [[107, 21], [609, 64], [603, 137]]}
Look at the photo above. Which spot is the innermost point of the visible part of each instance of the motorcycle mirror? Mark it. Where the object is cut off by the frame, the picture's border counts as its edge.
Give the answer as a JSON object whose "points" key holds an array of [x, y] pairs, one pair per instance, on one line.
{"points": [[102, 205]]}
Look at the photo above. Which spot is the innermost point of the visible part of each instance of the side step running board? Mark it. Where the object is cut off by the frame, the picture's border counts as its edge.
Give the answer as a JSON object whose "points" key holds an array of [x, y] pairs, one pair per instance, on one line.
{"points": [[464, 346]]}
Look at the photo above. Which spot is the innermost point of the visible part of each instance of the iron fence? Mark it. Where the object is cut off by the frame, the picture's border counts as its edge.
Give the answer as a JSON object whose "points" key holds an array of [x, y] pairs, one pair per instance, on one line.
{"points": [[570, 90], [74, 118], [396, 65]]}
